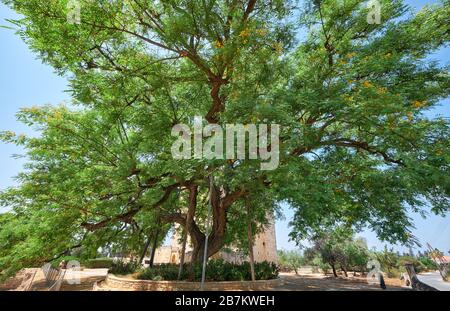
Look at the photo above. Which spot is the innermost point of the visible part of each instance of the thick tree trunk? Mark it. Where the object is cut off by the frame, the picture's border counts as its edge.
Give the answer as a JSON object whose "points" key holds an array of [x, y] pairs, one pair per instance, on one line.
{"points": [[217, 236], [214, 246], [144, 251], [155, 244], [220, 204], [334, 270], [182, 255], [193, 192], [345, 271]]}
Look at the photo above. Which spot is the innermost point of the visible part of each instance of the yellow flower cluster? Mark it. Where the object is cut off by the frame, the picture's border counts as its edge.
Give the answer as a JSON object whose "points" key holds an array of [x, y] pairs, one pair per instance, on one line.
{"points": [[244, 33], [382, 90], [57, 115], [218, 44], [261, 32], [367, 84], [34, 109], [348, 98], [418, 104]]}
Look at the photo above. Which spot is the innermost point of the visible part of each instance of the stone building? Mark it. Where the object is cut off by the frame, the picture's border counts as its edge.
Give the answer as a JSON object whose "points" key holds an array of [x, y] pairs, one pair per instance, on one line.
{"points": [[264, 249]]}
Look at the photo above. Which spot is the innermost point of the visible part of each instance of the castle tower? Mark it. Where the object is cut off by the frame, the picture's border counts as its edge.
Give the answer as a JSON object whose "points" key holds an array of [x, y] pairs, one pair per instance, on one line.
{"points": [[265, 246]]}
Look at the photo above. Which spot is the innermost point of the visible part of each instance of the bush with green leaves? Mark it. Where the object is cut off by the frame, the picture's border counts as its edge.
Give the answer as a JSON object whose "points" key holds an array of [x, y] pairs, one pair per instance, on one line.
{"points": [[319, 264], [337, 248], [389, 262], [122, 267], [216, 270], [98, 263], [290, 260], [428, 263], [161, 272], [266, 270]]}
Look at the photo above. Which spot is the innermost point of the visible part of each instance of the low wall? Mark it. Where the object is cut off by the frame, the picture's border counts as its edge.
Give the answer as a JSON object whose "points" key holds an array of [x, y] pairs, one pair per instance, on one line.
{"points": [[118, 283]]}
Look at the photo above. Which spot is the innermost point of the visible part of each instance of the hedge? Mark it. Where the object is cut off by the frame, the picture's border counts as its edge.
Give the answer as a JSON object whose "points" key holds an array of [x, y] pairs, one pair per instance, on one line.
{"points": [[98, 263], [216, 270]]}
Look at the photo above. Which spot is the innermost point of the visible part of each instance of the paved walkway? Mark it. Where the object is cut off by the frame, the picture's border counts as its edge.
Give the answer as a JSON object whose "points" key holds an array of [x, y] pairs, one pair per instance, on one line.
{"points": [[87, 279], [434, 279]]}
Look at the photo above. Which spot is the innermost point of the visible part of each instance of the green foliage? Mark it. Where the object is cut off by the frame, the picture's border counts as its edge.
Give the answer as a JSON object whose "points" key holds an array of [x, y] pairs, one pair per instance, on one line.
{"points": [[417, 264], [393, 263], [216, 270], [290, 260], [99, 263], [358, 254], [122, 267], [427, 263], [265, 270], [338, 249], [318, 263], [161, 272]]}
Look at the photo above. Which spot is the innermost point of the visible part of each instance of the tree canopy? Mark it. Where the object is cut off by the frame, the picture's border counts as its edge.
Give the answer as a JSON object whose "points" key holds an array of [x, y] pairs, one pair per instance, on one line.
{"points": [[355, 147]]}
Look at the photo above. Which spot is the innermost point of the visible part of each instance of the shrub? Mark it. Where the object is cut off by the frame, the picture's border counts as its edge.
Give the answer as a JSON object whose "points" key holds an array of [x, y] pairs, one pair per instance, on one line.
{"points": [[99, 263], [216, 270], [160, 272], [266, 270], [393, 273], [121, 267], [290, 260], [428, 263], [319, 264]]}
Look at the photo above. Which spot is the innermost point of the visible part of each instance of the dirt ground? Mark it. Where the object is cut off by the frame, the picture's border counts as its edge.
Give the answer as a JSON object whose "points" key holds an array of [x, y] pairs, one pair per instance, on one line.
{"points": [[315, 281]]}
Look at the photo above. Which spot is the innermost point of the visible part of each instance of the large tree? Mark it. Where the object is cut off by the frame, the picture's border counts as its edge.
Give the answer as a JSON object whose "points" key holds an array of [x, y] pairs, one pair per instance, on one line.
{"points": [[349, 96]]}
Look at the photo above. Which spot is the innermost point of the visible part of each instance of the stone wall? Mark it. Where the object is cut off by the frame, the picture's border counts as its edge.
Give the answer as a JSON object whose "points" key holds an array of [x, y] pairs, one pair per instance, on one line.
{"points": [[113, 282]]}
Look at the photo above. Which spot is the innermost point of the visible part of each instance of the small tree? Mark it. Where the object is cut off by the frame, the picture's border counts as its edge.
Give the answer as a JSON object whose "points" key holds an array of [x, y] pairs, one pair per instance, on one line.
{"points": [[357, 254], [292, 260], [330, 246], [389, 261], [338, 248]]}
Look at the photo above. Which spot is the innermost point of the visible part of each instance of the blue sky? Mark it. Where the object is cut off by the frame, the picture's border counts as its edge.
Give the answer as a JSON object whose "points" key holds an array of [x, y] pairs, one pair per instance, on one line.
{"points": [[25, 81]]}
